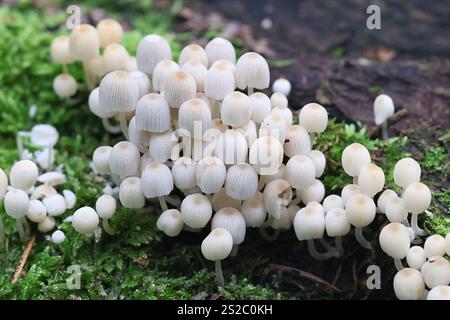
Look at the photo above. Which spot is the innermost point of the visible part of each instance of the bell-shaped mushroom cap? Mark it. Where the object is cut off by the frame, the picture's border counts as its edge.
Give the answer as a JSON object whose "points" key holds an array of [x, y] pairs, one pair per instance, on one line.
{"points": [[316, 205], [384, 197], [282, 85], [159, 172], [106, 206], [278, 100], [161, 146], [194, 53], [170, 222], [371, 180], [47, 224], [44, 190], [313, 117], [417, 197], [60, 50], [130, 193], [70, 198], [124, 159], [354, 157], [142, 81], [252, 71], [231, 147], [416, 257], [94, 105], [315, 192], [153, 113], [224, 63], [3, 183], [100, 159], [118, 92], [336, 223], [219, 82], [300, 172], [409, 285], [297, 141], [260, 105], [197, 71], [394, 240], [232, 220], [55, 205], [383, 108], [266, 155], [406, 171], [254, 211], [217, 245], [284, 113], [309, 223], [360, 210], [58, 237], [151, 50], [210, 174], [85, 220], [162, 71], [333, 201], [36, 211], [241, 182], [97, 66], [236, 109], [194, 115], [109, 31], [218, 49], [277, 194], [23, 175], [196, 210], [434, 246], [275, 126], [396, 210], [319, 160], [178, 88], [439, 293], [249, 132], [115, 57], [184, 170], [139, 138], [436, 272], [84, 42], [348, 191], [16, 203], [65, 85]]}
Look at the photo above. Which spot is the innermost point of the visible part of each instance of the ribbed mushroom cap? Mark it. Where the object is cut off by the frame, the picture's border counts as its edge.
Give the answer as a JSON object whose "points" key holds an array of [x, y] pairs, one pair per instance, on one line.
{"points": [[162, 71], [236, 109], [284, 113], [348, 191], [23, 175], [170, 222], [434, 246], [118, 92], [220, 48], [300, 172], [275, 126], [100, 159], [194, 53], [16, 203], [396, 210], [196, 210], [194, 115], [252, 71], [84, 42], [282, 85], [184, 170], [354, 157], [217, 245], [210, 174], [109, 31], [409, 285], [319, 160], [224, 63], [60, 50], [106, 206], [241, 182], [151, 50], [278, 100], [360, 210], [130, 193], [383, 108], [384, 197], [115, 56], [394, 240], [160, 173], [3, 183], [124, 159], [254, 211], [153, 113], [315, 192], [197, 71], [178, 88], [97, 66], [309, 223], [277, 194], [406, 171], [297, 141], [266, 155], [55, 205], [439, 293], [336, 223], [436, 272], [313, 117], [417, 197], [231, 147], [85, 220], [232, 220], [161, 146], [143, 82], [219, 82], [65, 85], [333, 201], [94, 105], [371, 180], [261, 106], [416, 257], [249, 132]]}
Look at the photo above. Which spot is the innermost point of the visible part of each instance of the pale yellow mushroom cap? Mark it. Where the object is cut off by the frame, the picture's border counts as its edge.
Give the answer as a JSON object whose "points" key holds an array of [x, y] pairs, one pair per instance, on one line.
{"points": [[109, 31], [417, 197], [84, 42]]}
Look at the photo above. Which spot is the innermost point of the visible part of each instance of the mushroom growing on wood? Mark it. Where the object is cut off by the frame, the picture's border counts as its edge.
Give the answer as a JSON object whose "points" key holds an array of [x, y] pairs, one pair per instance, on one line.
{"points": [[383, 109]]}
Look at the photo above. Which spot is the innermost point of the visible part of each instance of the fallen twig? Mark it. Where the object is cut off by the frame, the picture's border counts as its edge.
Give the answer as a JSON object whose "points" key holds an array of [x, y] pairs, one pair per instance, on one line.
{"points": [[23, 259], [306, 275]]}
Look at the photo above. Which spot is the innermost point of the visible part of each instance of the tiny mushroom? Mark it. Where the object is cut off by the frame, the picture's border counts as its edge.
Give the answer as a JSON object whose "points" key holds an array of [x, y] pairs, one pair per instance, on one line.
{"points": [[196, 210], [361, 211], [383, 109], [436, 272], [85, 220], [58, 237], [232, 220], [395, 242], [106, 207], [170, 222], [156, 171], [409, 285], [417, 197], [216, 247]]}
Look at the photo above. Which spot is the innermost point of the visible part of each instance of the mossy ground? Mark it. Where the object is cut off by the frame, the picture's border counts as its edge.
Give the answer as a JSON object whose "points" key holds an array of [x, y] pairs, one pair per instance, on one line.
{"points": [[139, 262]]}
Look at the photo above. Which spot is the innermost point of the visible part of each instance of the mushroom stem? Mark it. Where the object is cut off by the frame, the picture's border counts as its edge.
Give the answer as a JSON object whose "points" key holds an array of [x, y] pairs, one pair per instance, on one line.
{"points": [[398, 264], [360, 238], [20, 230], [50, 154], [339, 247], [311, 137], [415, 226], [355, 180], [406, 223], [109, 127], [317, 255], [384, 130], [268, 237], [107, 227], [250, 91], [326, 245], [162, 203], [2, 233], [89, 78], [123, 124], [19, 142], [173, 201], [234, 250], [219, 274], [26, 227]]}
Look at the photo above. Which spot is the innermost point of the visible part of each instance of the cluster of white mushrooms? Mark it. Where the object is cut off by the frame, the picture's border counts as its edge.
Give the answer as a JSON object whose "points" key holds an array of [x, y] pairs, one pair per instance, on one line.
{"points": [[200, 141]]}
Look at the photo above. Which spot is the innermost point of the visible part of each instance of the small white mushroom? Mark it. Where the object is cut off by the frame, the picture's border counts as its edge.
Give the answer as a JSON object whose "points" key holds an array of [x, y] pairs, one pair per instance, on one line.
{"points": [[42, 191], [396, 210], [232, 220], [210, 174], [84, 42], [313, 117], [282, 85], [178, 88], [3, 183], [150, 51], [36, 211], [106, 207], [161, 173], [354, 158], [124, 159], [47, 224], [109, 31], [361, 211], [384, 197], [252, 72], [274, 125], [297, 141], [236, 109], [162, 70], [434, 246], [416, 257], [55, 205], [395, 242], [170, 222], [100, 159], [439, 293], [216, 247], [383, 109], [300, 172], [241, 182], [220, 48], [23, 175], [52, 178], [277, 194], [261, 106], [409, 285], [58, 237], [196, 210], [332, 202], [406, 171], [254, 211], [417, 197], [197, 71], [70, 199], [348, 191], [220, 200], [85, 220], [130, 193], [231, 147], [436, 272], [337, 225], [65, 85]]}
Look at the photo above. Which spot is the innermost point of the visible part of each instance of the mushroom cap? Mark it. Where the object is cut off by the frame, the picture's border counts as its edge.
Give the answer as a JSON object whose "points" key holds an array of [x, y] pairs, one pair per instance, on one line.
{"points": [[153, 113], [156, 171], [42, 191], [406, 171], [198, 71], [266, 155], [354, 158], [241, 182], [130, 193], [151, 50], [170, 222], [195, 53], [309, 223], [282, 85], [249, 132], [55, 204], [360, 210], [409, 285], [217, 245], [196, 210], [47, 224], [336, 223], [85, 220], [314, 192], [84, 42], [219, 82], [70, 198], [65, 85], [274, 125], [252, 71], [118, 92], [36, 211], [106, 206], [100, 159], [52, 178], [231, 147], [278, 100], [179, 87], [298, 141], [300, 172], [277, 194], [417, 197], [254, 211], [97, 66], [371, 180], [434, 246], [124, 159], [313, 117], [383, 108], [94, 105], [348, 191], [218, 49], [194, 116], [60, 50], [319, 160], [394, 240], [109, 31], [184, 173], [3, 183], [333, 201], [211, 174], [232, 220], [436, 272], [58, 237], [396, 210], [44, 135], [236, 109], [142, 80], [115, 56], [439, 293], [383, 199], [23, 175], [416, 257], [162, 71], [261, 106]]}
